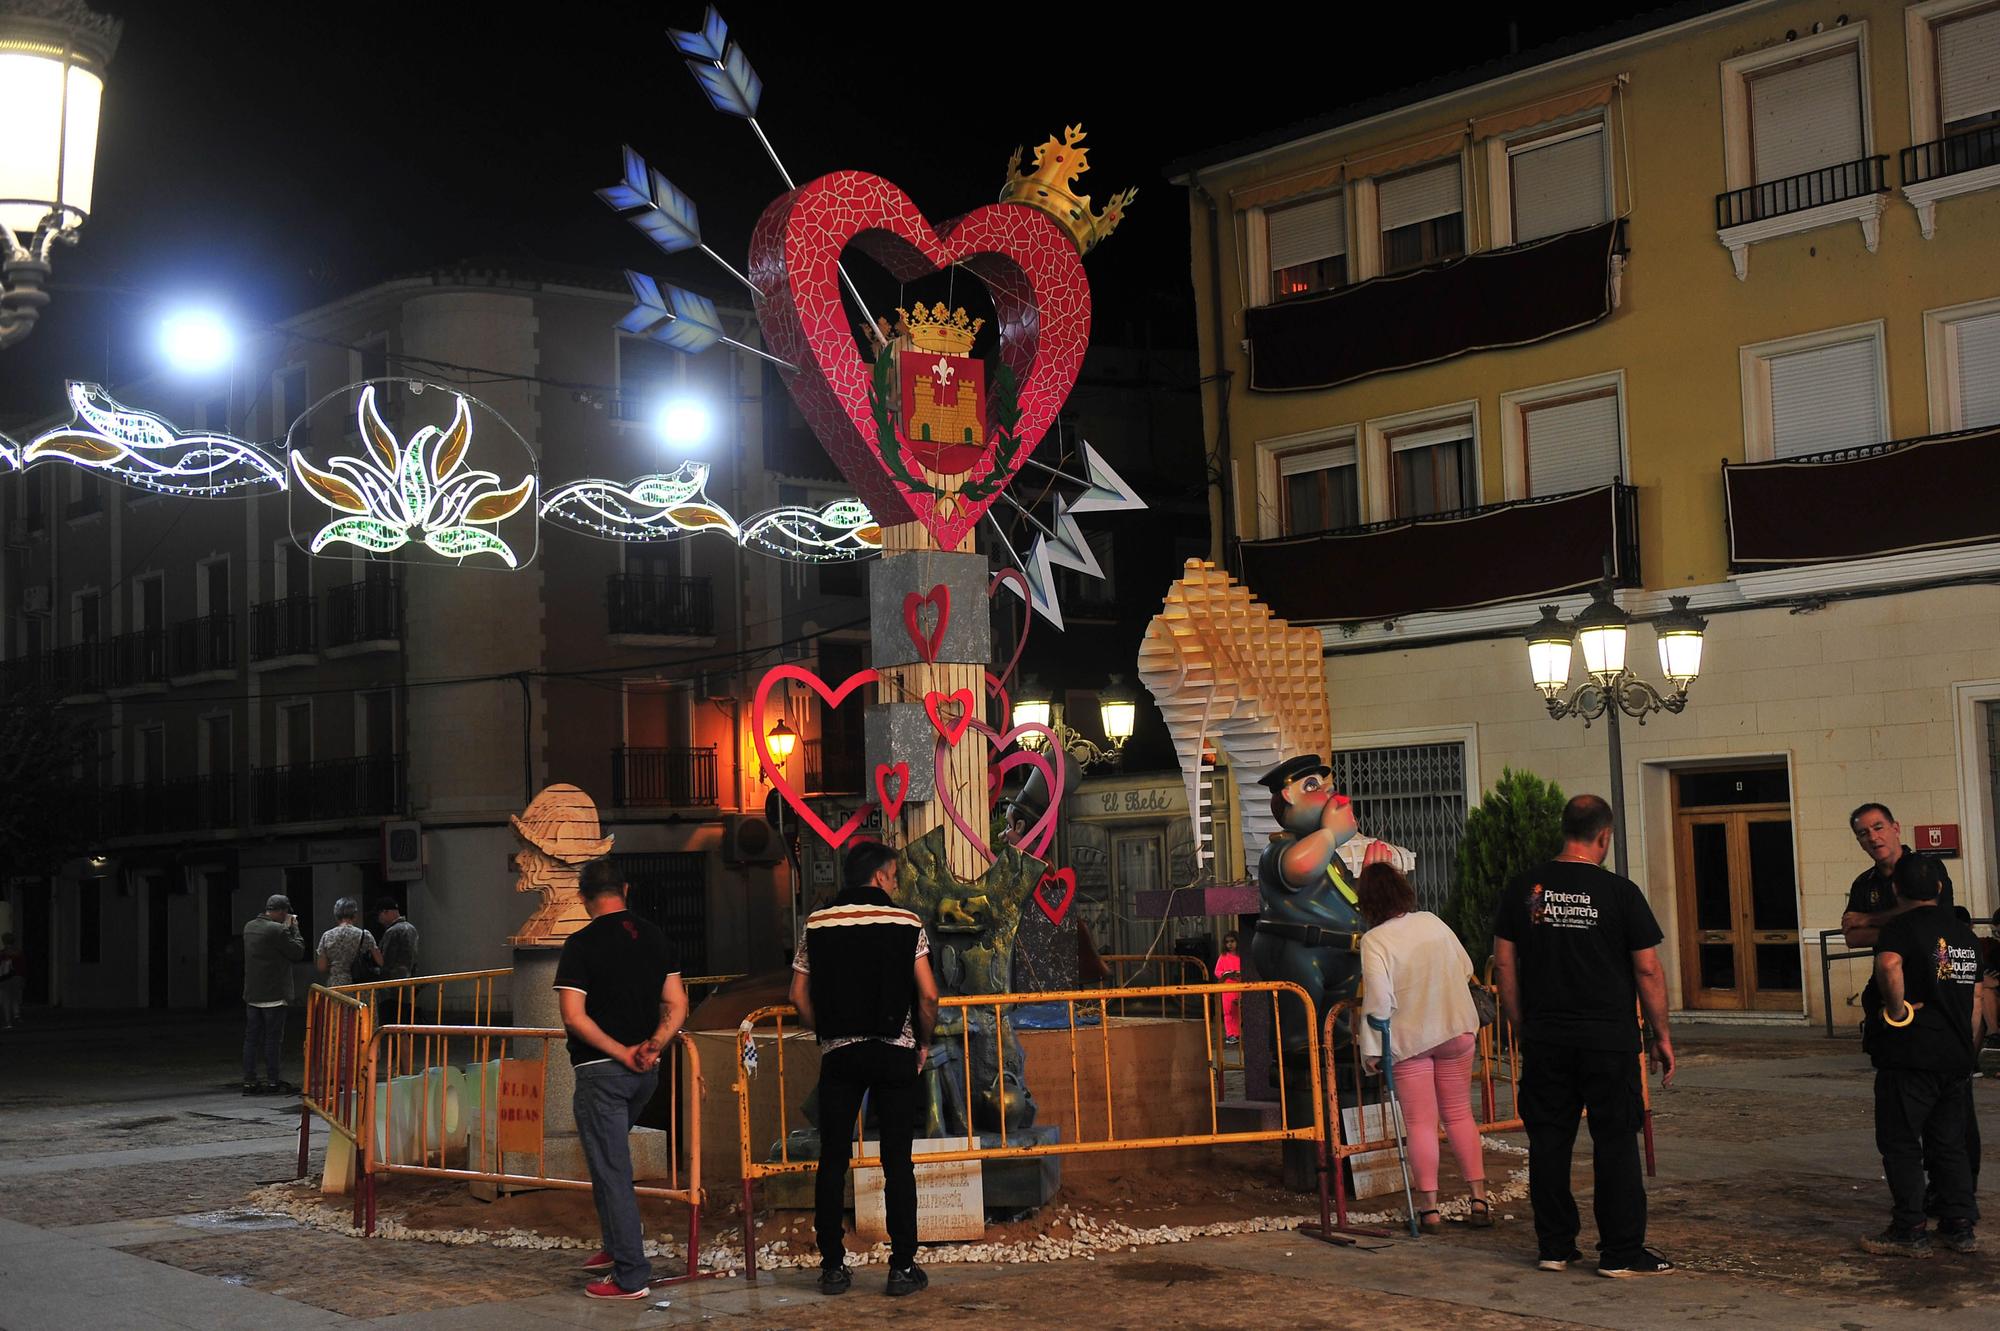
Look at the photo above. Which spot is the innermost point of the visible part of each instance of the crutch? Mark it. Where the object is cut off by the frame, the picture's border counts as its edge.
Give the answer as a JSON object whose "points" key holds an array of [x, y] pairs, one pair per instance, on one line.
{"points": [[1381, 1024]]}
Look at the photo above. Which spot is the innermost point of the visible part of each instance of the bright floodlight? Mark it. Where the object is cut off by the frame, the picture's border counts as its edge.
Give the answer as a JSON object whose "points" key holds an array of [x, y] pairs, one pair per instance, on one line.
{"points": [[196, 341], [684, 422]]}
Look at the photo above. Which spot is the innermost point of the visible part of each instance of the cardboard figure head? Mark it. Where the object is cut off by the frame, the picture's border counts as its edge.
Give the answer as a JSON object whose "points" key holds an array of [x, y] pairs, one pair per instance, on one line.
{"points": [[1303, 799]]}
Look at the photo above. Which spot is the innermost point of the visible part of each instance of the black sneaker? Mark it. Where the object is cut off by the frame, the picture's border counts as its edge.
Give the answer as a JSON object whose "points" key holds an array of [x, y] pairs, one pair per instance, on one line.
{"points": [[1647, 1263], [1958, 1235], [253, 1088], [1547, 1263], [1893, 1242], [280, 1088], [909, 1280], [834, 1280]]}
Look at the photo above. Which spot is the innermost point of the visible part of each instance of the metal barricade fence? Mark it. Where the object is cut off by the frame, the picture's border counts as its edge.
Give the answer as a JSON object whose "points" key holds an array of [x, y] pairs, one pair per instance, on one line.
{"points": [[1130, 970], [337, 1031], [422, 1145], [774, 1036]]}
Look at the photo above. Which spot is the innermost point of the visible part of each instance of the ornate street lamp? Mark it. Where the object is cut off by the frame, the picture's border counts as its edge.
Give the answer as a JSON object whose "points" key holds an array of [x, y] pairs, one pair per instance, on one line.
{"points": [[1117, 712], [781, 739], [53, 55], [1600, 634]]}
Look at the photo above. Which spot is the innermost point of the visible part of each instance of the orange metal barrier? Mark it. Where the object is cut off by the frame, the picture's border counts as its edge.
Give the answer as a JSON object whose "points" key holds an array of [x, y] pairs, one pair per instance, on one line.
{"points": [[337, 1031], [1206, 995], [485, 1156], [1128, 968]]}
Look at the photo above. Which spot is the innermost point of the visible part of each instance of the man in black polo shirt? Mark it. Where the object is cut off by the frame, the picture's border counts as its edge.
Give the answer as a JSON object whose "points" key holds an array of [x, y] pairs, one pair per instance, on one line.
{"points": [[1926, 968], [1575, 946], [1871, 901], [862, 981], [618, 984]]}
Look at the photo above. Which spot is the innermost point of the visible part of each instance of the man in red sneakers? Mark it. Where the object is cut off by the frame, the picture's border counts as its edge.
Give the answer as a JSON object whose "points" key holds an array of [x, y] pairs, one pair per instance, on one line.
{"points": [[619, 987]]}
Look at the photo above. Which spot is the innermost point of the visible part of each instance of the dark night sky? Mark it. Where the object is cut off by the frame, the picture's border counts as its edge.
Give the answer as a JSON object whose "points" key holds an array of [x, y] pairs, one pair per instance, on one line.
{"points": [[272, 157]]}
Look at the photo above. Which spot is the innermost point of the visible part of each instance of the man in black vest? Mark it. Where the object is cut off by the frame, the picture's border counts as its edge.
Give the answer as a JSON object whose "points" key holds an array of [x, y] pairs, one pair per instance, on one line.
{"points": [[862, 981], [1926, 968]]}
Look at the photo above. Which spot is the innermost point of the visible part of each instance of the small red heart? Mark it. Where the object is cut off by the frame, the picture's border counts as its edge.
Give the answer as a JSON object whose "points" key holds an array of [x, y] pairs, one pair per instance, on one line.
{"points": [[1062, 877], [892, 805], [955, 730], [939, 596]]}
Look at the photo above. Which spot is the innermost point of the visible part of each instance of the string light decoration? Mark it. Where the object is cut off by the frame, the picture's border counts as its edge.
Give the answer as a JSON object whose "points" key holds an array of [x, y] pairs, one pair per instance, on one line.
{"points": [[841, 532], [652, 508], [395, 494], [145, 450]]}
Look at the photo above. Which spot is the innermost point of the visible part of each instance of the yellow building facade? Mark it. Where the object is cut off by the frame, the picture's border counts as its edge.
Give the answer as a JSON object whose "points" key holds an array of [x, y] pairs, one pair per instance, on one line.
{"points": [[1720, 260]]}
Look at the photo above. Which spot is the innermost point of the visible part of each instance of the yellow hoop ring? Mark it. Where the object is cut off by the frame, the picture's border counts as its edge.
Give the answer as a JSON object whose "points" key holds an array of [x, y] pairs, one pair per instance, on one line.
{"points": [[1909, 1015]]}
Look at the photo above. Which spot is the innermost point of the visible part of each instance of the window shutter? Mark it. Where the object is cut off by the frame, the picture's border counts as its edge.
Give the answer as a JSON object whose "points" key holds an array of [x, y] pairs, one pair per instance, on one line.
{"points": [[1559, 186], [1806, 117], [1826, 398], [1316, 459], [1455, 432], [1419, 196], [1978, 371], [1968, 51], [1316, 229], [1572, 445]]}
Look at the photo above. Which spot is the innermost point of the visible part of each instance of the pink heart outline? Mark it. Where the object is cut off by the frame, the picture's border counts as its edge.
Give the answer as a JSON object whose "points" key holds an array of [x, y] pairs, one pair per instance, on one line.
{"points": [[835, 839], [968, 715], [1062, 875], [1020, 581], [1042, 833], [1041, 305]]}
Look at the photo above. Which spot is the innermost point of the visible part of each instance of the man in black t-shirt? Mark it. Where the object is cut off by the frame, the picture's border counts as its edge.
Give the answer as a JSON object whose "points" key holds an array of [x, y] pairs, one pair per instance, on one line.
{"points": [[1575, 948], [1871, 901], [1926, 969], [619, 986]]}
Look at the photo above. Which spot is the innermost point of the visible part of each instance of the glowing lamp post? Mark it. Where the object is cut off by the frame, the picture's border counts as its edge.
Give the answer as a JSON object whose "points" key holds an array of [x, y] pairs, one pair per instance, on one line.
{"points": [[53, 54], [781, 739], [1600, 634], [1117, 712]]}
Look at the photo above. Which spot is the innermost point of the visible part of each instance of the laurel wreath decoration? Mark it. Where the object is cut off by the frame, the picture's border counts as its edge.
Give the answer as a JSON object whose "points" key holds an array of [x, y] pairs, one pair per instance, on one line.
{"points": [[1003, 407]]}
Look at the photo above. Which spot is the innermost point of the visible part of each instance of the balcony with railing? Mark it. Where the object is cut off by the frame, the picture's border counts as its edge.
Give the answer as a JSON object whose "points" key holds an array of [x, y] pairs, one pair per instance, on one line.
{"points": [[138, 660], [673, 778], [1958, 163], [340, 788], [82, 667], [1491, 555], [660, 607], [32, 672], [1929, 493], [162, 808], [364, 616], [204, 646], [1843, 192], [284, 631]]}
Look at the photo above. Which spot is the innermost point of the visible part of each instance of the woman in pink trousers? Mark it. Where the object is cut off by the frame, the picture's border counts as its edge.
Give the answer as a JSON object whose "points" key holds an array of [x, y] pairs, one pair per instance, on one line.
{"points": [[1414, 972]]}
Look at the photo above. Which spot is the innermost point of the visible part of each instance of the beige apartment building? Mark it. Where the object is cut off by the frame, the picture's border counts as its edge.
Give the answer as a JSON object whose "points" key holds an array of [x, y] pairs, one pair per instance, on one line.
{"points": [[326, 726], [1714, 296]]}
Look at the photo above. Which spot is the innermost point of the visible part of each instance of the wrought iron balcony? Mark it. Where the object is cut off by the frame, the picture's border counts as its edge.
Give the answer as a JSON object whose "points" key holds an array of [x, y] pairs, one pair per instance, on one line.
{"points": [[664, 607], [1496, 553], [367, 611], [323, 791], [675, 778], [1968, 150], [205, 644], [138, 659], [159, 808], [287, 626], [1808, 189], [82, 667]]}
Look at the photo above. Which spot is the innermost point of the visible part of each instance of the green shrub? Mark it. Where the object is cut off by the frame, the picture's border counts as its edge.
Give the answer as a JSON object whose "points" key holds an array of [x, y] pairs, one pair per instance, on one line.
{"points": [[1517, 826]]}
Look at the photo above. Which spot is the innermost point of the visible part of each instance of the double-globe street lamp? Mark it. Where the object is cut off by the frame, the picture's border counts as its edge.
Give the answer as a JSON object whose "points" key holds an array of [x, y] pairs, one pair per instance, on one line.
{"points": [[1600, 633], [1117, 714], [53, 54]]}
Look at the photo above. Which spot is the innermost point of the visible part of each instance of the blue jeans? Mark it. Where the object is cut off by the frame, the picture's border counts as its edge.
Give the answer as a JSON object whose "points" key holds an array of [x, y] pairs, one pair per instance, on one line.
{"points": [[608, 1101], [263, 1032]]}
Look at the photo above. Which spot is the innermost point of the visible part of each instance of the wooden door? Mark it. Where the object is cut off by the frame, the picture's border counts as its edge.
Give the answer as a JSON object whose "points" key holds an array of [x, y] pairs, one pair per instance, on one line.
{"points": [[1739, 915]]}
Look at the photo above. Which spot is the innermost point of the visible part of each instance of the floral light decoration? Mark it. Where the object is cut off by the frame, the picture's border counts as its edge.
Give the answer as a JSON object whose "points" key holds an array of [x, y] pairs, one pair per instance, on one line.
{"points": [[652, 508], [145, 450], [842, 531], [397, 493]]}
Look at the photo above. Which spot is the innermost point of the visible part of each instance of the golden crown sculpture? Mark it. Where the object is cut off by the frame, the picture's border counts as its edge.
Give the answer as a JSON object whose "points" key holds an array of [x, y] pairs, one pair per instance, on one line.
{"points": [[936, 329], [1058, 163]]}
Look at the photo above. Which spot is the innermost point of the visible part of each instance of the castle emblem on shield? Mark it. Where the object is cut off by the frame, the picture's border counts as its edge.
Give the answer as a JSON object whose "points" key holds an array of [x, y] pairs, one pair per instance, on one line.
{"points": [[943, 421]]}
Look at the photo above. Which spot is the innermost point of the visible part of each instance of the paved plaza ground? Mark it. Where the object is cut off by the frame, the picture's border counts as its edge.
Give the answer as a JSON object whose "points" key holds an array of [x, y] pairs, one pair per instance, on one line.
{"points": [[126, 1156]]}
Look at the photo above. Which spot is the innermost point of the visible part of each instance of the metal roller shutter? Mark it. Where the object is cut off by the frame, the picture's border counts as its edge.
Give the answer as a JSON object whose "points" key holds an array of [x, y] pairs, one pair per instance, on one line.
{"points": [[1572, 445], [1968, 51], [1559, 186], [1303, 232], [1806, 117], [1419, 196], [1826, 398], [1978, 371]]}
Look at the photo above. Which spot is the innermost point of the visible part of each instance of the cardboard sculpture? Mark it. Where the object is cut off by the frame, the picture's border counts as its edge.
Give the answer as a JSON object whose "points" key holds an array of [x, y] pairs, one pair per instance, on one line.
{"points": [[559, 834], [1228, 675]]}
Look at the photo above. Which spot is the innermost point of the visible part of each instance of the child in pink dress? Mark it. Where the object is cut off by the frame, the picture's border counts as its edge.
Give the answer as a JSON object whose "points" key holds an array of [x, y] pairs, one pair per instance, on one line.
{"points": [[1228, 967]]}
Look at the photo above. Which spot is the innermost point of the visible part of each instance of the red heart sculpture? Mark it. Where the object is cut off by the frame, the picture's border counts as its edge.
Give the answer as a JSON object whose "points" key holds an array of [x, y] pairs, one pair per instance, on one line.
{"points": [[939, 596], [892, 806], [1020, 581], [1065, 878], [954, 731], [834, 837], [1041, 302]]}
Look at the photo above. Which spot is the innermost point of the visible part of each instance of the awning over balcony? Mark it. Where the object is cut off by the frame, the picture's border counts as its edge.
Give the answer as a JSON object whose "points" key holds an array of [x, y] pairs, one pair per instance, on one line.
{"points": [[1886, 499], [1500, 298], [1454, 561]]}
